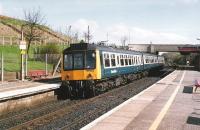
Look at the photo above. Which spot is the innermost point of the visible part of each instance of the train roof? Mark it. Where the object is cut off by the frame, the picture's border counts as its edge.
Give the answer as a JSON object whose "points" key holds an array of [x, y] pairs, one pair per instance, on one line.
{"points": [[87, 46]]}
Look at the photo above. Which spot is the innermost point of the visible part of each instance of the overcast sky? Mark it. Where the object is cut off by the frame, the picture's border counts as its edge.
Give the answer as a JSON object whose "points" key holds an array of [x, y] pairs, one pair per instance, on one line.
{"points": [[158, 21]]}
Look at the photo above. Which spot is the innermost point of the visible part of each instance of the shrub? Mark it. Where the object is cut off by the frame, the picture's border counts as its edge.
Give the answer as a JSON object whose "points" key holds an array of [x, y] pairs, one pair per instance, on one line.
{"points": [[49, 49]]}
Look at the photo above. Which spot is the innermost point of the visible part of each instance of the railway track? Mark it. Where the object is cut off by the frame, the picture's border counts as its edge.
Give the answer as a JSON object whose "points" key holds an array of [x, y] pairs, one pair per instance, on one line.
{"points": [[21, 117], [76, 113]]}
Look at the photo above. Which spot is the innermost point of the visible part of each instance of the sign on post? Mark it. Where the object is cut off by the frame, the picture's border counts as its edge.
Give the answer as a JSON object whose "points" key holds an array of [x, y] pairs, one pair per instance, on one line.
{"points": [[22, 45], [23, 52]]}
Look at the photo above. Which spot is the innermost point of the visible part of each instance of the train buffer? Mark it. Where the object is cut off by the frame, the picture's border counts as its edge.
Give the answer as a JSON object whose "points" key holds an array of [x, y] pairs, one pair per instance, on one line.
{"points": [[33, 74]]}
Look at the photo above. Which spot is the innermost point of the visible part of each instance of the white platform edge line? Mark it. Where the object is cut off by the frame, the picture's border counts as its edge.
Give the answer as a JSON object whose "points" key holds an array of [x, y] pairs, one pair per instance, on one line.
{"points": [[27, 91], [167, 105], [93, 123]]}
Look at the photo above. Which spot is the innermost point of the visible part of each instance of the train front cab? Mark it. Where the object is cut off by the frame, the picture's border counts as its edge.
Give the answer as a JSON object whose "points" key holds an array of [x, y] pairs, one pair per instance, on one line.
{"points": [[79, 72]]}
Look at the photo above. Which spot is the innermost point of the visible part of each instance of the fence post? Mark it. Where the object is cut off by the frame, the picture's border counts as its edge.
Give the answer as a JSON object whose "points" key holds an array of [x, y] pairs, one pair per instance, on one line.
{"points": [[26, 63], [46, 60], [22, 67], [3, 40], [11, 40], [2, 66]]}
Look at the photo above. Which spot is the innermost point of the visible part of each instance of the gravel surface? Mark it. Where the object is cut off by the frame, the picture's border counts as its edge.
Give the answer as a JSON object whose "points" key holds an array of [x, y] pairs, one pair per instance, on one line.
{"points": [[74, 114], [90, 111]]}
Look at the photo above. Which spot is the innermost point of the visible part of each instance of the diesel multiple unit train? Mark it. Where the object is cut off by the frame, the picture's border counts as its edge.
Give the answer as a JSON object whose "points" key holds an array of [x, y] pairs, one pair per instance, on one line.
{"points": [[88, 69]]}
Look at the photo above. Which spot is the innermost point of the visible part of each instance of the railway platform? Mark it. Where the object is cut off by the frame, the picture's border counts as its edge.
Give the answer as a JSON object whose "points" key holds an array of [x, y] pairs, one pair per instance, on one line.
{"points": [[10, 90], [169, 104]]}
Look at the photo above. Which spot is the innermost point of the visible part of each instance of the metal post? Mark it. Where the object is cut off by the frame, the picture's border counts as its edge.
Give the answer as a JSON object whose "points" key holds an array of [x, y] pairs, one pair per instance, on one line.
{"points": [[2, 66], [199, 62], [22, 67], [26, 63], [11, 40], [46, 60], [3, 40]]}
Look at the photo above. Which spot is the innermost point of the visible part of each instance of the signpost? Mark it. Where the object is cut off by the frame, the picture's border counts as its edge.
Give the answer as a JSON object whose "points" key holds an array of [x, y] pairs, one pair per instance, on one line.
{"points": [[22, 47]]}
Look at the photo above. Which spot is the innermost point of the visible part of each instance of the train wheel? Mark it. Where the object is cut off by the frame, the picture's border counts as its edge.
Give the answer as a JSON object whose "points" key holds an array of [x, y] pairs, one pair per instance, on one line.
{"points": [[93, 90], [69, 92], [89, 89], [81, 92]]}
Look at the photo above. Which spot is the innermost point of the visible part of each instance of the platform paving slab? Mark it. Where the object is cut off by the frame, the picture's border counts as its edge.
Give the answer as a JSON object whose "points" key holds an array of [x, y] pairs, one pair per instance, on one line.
{"points": [[141, 112], [134, 107]]}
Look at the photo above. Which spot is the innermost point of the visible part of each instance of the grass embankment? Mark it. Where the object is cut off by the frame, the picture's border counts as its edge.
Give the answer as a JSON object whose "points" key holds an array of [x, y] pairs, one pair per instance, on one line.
{"points": [[12, 59], [17, 22]]}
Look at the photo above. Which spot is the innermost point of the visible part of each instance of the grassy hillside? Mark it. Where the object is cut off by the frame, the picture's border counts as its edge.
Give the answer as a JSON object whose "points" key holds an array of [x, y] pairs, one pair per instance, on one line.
{"points": [[12, 27], [12, 21], [12, 58]]}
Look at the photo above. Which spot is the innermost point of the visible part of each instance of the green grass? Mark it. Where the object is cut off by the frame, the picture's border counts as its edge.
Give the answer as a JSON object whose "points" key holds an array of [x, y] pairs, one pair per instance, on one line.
{"points": [[38, 65], [12, 60], [13, 21], [19, 22], [10, 49]]}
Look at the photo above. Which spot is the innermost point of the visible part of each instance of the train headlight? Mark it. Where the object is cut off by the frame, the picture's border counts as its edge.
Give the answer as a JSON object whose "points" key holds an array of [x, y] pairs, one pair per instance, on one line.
{"points": [[93, 55], [89, 76], [66, 77]]}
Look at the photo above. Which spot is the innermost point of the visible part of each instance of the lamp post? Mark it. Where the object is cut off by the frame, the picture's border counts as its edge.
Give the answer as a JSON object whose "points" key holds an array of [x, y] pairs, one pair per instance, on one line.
{"points": [[198, 48]]}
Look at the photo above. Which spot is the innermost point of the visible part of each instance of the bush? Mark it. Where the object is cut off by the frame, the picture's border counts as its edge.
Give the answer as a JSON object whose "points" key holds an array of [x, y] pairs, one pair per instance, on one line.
{"points": [[52, 50], [49, 49]]}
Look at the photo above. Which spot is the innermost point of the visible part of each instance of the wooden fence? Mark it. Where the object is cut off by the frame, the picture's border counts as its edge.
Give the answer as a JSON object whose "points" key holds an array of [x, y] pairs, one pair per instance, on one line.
{"points": [[14, 40]]}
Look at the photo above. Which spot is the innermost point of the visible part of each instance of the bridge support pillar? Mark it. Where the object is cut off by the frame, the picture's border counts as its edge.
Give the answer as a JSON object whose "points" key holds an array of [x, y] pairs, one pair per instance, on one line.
{"points": [[198, 61]]}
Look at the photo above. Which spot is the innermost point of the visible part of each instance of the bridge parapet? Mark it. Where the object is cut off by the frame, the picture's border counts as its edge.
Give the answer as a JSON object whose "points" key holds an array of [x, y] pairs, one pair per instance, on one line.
{"points": [[153, 48]]}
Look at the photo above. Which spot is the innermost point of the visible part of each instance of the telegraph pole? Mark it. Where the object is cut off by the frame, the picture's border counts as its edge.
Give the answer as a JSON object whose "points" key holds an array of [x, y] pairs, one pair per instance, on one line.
{"points": [[88, 36]]}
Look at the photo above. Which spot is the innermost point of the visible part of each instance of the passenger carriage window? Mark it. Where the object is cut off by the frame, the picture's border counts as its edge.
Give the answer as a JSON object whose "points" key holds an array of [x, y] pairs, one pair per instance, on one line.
{"points": [[106, 60], [129, 59], [121, 60], [117, 60], [136, 60], [126, 60], [147, 60], [113, 63]]}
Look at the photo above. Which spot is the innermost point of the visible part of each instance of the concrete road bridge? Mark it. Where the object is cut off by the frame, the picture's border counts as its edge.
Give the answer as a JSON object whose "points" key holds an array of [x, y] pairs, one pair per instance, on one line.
{"points": [[155, 48]]}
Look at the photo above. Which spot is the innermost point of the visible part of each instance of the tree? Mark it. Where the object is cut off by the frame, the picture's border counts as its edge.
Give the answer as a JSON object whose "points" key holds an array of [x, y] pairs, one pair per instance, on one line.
{"points": [[32, 27]]}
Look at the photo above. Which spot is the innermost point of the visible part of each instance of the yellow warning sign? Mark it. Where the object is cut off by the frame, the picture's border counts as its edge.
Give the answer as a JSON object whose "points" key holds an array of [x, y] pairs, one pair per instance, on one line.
{"points": [[23, 52]]}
